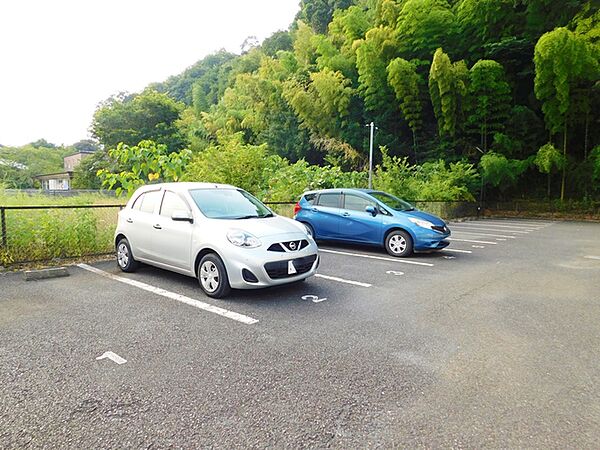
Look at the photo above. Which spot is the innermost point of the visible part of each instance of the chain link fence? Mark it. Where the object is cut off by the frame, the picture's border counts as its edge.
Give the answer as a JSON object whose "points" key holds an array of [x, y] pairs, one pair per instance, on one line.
{"points": [[569, 209], [31, 234], [42, 233]]}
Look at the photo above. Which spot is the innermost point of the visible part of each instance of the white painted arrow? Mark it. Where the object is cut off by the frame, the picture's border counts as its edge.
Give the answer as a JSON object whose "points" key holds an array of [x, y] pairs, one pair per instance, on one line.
{"points": [[113, 357]]}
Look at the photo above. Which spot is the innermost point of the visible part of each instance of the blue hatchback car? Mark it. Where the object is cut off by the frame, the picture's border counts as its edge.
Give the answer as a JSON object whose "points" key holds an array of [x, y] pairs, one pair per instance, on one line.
{"points": [[371, 217]]}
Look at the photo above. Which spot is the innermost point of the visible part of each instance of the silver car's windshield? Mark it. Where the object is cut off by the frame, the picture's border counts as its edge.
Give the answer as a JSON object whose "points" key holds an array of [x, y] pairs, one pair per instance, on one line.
{"points": [[392, 202], [229, 204]]}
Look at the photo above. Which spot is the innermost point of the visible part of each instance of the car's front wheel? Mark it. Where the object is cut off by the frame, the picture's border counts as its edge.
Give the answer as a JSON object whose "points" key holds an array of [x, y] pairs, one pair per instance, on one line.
{"points": [[125, 258], [399, 243], [212, 276]]}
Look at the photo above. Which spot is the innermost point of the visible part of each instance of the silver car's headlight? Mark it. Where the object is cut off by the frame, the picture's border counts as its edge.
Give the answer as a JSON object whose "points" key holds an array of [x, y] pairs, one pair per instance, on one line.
{"points": [[242, 238], [421, 223]]}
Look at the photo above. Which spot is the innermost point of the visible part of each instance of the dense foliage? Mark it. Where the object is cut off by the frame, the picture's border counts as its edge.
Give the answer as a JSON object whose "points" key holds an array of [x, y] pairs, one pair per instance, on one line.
{"points": [[510, 87], [18, 165]]}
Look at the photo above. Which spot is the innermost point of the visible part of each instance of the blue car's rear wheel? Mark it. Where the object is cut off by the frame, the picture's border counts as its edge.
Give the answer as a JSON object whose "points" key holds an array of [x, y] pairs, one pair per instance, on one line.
{"points": [[399, 243]]}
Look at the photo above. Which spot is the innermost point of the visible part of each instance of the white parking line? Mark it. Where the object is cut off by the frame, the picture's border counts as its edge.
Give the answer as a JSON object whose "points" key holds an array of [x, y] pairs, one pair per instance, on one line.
{"points": [[361, 255], [510, 227], [592, 257], [478, 228], [341, 280], [172, 295], [503, 222], [482, 234], [474, 242], [455, 250]]}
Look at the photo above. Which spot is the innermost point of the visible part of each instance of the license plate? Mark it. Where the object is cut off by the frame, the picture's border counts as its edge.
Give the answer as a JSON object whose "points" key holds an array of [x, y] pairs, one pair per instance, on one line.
{"points": [[291, 268]]}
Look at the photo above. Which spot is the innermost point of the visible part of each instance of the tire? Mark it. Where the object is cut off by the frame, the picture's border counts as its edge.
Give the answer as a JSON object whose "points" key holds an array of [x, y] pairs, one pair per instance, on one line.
{"points": [[310, 229], [399, 243], [125, 259], [212, 276]]}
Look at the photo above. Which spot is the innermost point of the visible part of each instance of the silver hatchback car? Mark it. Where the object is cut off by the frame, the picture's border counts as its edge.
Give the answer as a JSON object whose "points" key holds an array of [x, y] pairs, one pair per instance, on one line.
{"points": [[217, 233]]}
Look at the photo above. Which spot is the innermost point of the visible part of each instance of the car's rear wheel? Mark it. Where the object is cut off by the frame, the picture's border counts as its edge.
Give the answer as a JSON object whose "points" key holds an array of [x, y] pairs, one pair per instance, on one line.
{"points": [[125, 258], [212, 276], [399, 243]]}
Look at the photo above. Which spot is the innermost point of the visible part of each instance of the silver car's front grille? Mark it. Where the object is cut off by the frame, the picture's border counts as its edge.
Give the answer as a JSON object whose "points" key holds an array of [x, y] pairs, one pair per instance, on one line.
{"points": [[290, 246]]}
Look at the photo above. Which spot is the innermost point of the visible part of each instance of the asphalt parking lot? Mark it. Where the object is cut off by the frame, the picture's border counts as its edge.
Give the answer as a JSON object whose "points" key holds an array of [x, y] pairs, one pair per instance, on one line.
{"points": [[492, 342]]}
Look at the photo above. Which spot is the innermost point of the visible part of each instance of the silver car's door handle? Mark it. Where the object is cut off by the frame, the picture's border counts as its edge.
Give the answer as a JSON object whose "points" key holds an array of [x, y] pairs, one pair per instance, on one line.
{"points": [[130, 220], [157, 226]]}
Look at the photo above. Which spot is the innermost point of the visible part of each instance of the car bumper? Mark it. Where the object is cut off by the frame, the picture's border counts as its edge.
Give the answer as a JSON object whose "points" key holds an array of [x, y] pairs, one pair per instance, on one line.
{"points": [[431, 240], [259, 268]]}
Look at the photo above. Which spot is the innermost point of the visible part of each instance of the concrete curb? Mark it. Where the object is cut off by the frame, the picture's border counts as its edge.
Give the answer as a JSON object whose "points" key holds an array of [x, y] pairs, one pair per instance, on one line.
{"points": [[44, 274]]}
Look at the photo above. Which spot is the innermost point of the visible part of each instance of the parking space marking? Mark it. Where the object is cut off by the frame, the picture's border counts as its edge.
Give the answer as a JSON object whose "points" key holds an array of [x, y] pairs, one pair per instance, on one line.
{"points": [[533, 224], [381, 258], [505, 228], [456, 250], [472, 241], [592, 257], [173, 296], [341, 280], [477, 228], [483, 234], [113, 357]]}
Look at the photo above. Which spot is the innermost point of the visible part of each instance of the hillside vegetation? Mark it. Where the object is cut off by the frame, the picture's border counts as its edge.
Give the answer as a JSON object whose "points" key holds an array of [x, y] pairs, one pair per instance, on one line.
{"points": [[503, 89]]}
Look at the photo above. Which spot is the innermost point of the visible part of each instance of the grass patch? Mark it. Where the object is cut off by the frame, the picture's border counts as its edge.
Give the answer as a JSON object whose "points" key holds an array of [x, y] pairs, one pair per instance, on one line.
{"points": [[46, 234]]}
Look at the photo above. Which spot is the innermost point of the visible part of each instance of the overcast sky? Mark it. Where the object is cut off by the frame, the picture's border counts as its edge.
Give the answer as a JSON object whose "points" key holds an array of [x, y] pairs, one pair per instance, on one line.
{"points": [[60, 58]]}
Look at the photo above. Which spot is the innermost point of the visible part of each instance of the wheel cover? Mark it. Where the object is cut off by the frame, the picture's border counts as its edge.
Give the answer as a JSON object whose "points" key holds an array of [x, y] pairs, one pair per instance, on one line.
{"points": [[122, 255], [209, 276], [397, 243]]}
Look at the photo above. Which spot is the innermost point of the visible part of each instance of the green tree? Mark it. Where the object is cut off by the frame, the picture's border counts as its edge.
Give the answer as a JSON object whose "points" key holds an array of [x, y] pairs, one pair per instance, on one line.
{"points": [[562, 60], [547, 159], [318, 13], [278, 41], [323, 104], [485, 21], [489, 100], [501, 172], [211, 71], [447, 87], [423, 26], [134, 118], [231, 161], [403, 77], [373, 54], [149, 162]]}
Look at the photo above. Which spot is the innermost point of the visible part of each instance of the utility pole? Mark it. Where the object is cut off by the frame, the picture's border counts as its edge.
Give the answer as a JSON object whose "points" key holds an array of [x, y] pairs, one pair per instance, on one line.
{"points": [[372, 125], [480, 209]]}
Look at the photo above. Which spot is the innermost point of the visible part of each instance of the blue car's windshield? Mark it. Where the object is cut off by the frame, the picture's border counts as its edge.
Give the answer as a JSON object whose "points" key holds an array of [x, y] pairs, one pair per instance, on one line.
{"points": [[229, 204], [392, 202]]}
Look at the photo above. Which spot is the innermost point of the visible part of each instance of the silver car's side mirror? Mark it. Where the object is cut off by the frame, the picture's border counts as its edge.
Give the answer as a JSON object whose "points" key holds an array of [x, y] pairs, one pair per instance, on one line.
{"points": [[182, 216], [371, 210]]}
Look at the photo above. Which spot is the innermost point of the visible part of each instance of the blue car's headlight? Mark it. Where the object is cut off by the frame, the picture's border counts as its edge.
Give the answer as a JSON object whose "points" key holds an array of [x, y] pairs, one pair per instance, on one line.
{"points": [[242, 238], [421, 223]]}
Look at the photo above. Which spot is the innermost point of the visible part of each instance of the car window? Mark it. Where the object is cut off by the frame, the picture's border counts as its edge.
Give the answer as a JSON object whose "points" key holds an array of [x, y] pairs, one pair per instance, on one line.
{"points": [[137, 204], [330, 199], [149, 201], [229, 204], [392, 202], [171, 203], [356, 203], [310, 198]]}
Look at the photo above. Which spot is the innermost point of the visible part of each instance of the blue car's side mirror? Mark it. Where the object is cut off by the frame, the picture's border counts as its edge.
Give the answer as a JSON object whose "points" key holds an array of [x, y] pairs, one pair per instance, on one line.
{"points": [[371, 210]]}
